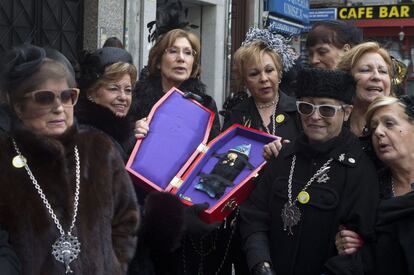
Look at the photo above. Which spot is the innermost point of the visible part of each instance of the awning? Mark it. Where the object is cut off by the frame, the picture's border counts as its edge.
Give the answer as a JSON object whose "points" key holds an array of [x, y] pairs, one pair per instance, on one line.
{"points": [[280, 25]]}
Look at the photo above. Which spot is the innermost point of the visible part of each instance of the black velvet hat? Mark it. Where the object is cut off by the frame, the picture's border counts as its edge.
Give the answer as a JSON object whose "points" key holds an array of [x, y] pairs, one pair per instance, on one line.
{"points": [[18, 64], [94, 64], [312, 82], [59, 57]]}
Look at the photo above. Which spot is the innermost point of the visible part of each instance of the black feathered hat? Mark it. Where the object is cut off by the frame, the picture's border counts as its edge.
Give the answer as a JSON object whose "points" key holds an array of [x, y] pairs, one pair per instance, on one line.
{"points": [[93, 64], [408, 101], [312, 82], [170, 15]]}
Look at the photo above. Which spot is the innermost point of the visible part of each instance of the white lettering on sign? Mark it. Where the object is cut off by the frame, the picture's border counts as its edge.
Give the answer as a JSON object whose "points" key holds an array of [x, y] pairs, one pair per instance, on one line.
{"points": [[292, 10], [301, 3]]}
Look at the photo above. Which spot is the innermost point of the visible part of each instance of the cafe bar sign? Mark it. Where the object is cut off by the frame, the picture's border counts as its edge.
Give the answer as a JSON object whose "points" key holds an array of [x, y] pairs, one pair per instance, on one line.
{"points": [[376, 12]]}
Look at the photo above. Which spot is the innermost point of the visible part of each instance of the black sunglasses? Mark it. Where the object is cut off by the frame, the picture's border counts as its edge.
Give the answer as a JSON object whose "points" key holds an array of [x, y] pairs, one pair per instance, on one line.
{"points": [[325, 110], [68, 97]]}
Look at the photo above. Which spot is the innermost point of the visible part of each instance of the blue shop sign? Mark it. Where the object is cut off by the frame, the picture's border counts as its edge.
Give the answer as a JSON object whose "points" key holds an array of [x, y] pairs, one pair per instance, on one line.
{"points": [[294, 9], [279, 25], [322, 14]]}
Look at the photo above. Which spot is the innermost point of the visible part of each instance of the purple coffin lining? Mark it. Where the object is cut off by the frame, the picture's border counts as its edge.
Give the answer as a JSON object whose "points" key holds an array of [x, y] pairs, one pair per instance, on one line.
{"points": [[176, 129], [233, 138]]}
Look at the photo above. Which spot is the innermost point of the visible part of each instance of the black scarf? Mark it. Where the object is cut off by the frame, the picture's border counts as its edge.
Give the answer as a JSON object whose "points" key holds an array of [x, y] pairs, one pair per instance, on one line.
{"points": [[330, 147]]}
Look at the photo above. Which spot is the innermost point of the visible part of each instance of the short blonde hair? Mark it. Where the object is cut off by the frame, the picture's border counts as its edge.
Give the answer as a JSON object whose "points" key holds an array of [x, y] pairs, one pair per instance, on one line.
{"points": [[378, 103], [113, 73], [350, 58], [166, 41], [252, 53]]}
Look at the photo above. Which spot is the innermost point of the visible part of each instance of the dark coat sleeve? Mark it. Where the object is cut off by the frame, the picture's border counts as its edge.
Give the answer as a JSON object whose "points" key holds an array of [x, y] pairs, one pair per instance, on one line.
{"points": [[255, 219], [230, 120], [126, 215], [210, 103], [359, 204], [360, 199], [9, 264]]}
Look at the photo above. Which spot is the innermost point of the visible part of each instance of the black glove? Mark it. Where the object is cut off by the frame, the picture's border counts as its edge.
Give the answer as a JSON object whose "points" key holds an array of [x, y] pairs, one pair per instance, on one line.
{"points": [[193, 224], [263, 268], [162, 225], [196, 97]]}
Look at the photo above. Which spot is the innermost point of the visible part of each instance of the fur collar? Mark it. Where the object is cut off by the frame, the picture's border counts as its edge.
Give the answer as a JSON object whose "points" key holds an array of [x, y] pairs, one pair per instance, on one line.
{"points": [[41, 147], [102, 118]]}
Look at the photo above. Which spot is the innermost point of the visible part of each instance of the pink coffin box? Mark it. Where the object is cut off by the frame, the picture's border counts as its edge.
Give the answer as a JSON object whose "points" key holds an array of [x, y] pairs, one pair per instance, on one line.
{"points": [[174, 152]]}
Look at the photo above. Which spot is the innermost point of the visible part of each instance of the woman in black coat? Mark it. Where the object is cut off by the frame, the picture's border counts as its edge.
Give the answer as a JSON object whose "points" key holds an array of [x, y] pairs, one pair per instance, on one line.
{"points": [[173, 240], [9, 264], [258, 66], [106, 81], [174, 61], [319, 181], [391, 123]]}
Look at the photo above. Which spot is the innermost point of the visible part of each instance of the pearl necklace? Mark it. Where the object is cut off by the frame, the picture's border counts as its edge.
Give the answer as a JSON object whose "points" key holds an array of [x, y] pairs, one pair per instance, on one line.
{"points": [[266, 105], [67, 247], [392, 187], [272, 117]]}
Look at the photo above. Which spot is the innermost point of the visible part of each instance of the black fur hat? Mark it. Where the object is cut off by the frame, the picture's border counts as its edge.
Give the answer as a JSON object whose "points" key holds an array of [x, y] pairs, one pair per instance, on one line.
{"points": [[93, 64], [312, 82]]}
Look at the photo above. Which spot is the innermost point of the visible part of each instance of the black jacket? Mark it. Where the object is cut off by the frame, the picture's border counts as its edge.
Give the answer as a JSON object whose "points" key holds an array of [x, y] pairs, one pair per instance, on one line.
{"points": [[393, 250], [246, 113], [9, 264], [149, 90], [348, 198]]}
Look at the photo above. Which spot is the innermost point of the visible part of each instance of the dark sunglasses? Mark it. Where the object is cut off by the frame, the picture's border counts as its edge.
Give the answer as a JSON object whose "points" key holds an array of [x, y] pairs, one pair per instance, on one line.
{"points": [[68, 97], [325, 110]]}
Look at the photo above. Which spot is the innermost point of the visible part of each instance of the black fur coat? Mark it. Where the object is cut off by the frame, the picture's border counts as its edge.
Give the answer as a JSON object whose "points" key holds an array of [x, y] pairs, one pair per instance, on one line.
{"points": [[149, 90], [119, 129], [108, 214]]}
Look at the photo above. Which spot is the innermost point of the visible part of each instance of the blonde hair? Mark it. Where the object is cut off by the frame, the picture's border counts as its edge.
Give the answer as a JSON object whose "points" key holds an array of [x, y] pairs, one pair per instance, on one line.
{"points": [[252, 53], [378, 103], [350, 58], [166, 41], [113, 73]]}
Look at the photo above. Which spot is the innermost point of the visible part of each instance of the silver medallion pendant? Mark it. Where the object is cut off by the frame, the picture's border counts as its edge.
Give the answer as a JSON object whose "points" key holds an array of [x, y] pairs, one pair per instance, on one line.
{"points": [[290, 216], [66, 249]]}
